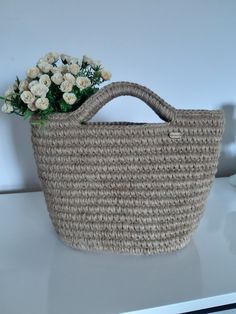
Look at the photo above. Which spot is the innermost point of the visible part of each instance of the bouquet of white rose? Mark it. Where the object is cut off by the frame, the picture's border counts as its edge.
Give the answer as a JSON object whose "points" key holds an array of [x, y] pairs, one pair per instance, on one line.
{"points": [[58, 83]]}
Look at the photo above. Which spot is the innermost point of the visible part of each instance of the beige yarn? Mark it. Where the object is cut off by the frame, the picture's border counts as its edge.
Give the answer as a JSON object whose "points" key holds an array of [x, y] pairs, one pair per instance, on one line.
{"points": [[127, 187]]}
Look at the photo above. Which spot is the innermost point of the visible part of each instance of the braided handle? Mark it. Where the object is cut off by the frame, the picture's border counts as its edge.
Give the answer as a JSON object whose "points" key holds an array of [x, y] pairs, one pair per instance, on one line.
{"points": [[94, 103]]}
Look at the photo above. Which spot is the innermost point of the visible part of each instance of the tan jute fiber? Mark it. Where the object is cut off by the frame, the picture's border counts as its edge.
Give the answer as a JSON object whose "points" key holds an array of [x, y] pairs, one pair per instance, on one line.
{"points": [[138, 188]]}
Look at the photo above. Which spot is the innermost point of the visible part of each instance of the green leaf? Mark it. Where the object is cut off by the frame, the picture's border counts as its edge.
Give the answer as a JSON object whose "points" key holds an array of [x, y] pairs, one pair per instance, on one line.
{"points": [[17, 80], [64, 106], [28, 113]]}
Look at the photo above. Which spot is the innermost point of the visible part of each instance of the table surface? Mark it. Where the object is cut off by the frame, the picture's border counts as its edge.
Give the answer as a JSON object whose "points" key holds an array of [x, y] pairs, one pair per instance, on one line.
{"points": [[40, 275]]}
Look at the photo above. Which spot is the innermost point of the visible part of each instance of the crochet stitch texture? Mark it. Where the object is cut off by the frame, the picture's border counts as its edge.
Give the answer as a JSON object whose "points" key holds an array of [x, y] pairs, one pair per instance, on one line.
{"points": [[138, 188]]}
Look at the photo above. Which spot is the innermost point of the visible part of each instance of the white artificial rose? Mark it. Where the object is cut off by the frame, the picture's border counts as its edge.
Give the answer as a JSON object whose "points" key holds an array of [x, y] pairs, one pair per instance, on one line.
{"points": [[76, 61], [63, 68], [32, 107], [7, 107], [65, 57], [32, 83], [96, 63], [83, 82], [74, 68], [106, 75], [15, 85], [27, 97], [55, 69], [69, 77], [57, 78], [39, 90], [79, 61], [45, 80], [51, 57], [56, 56], [40, 60], [32, 72], [45, 67], [66, 86], [88, 60], [69, 98], [24, 84], [42, 103], [10, 91], [73, 60]]}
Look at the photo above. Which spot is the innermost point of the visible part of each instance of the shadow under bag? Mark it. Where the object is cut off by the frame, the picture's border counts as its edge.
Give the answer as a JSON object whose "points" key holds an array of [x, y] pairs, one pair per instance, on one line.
{"points": [[138, 188]]}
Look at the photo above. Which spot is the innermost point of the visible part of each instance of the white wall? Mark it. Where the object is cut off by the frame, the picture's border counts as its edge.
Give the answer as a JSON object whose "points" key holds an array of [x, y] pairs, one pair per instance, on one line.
{"points": [[185, 50]]}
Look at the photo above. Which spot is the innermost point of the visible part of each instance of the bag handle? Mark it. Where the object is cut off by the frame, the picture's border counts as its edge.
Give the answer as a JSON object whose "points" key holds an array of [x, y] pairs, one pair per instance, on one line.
{"points": [[94, 103]]}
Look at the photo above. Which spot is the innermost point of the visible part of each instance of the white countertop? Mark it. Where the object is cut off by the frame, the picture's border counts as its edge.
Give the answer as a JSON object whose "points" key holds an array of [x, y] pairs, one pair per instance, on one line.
{"points": [[40, 275]]}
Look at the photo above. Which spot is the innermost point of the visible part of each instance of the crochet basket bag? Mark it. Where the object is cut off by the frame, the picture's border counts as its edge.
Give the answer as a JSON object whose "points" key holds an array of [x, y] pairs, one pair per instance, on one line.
{"points": [[138, 188]]}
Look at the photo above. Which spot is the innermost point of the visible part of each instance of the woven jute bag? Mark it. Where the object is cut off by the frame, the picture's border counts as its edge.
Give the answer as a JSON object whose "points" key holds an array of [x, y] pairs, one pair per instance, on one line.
{"points": [[138, 188]]}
